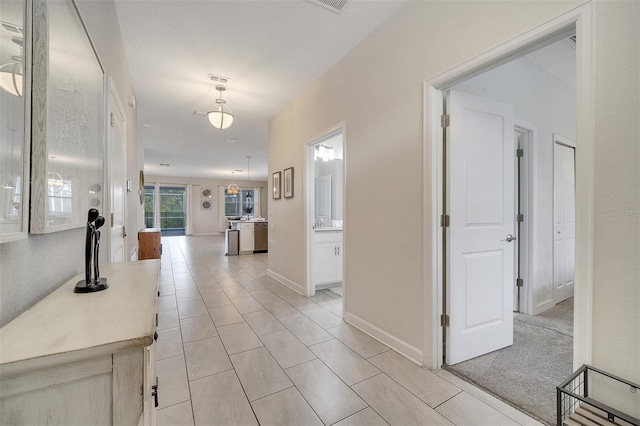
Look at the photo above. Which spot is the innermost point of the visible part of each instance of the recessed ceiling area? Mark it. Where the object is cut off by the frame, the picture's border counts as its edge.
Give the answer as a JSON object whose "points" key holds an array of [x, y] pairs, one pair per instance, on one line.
{"points": [[269, 51]]}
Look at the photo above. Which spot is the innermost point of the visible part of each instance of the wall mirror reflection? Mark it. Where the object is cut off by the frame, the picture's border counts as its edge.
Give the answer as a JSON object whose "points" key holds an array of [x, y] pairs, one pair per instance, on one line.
{"points": [[68, 135], [14, 113]]}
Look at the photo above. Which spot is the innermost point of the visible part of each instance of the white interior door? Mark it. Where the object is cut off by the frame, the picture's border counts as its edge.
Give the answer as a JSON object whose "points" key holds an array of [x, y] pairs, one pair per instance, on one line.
{"points": [[323, 199], [481, 247], [564, 229], [117, 179]]}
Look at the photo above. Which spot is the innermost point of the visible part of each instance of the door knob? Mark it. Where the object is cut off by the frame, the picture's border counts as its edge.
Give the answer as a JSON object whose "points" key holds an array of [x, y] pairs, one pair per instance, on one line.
{"points": [[509, 238]]}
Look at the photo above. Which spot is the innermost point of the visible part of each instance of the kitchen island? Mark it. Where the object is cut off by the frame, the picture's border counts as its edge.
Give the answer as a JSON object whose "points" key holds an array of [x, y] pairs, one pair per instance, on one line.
{"points": [[253, 235]]}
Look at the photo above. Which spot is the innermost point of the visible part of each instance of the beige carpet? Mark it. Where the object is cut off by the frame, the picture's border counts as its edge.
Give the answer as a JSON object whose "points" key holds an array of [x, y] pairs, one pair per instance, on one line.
{"points": [[525, 375]]}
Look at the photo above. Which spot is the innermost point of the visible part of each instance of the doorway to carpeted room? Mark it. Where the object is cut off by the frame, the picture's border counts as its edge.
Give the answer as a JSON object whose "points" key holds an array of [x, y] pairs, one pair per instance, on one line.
{"points": [[525, 375]]}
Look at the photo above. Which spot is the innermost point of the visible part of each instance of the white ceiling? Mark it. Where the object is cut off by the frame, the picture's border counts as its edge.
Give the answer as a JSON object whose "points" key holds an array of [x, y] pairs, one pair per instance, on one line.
{"points": [[270, 49], [558, 59]]}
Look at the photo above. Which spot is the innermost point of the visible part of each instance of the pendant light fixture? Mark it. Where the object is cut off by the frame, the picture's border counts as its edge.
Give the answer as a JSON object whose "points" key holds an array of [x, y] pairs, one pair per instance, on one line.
{"points": [[248, 199], [233, 190], [11, 73], [248, 196], [220, 118]]}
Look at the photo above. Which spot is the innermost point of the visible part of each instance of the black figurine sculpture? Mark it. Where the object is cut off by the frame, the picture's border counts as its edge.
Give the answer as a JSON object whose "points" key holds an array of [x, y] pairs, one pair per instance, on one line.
{"points": [[91, 283]]}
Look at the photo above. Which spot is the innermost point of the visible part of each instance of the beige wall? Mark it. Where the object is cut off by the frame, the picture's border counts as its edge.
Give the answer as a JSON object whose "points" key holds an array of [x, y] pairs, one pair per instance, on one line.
{"points": [[377, 89], [616, 296]]}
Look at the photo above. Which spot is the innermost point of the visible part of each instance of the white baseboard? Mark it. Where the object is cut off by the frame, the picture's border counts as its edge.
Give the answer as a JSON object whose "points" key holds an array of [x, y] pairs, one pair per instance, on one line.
{"points": [[292, 285], [543, 307], [403, 348], [133, 255]]}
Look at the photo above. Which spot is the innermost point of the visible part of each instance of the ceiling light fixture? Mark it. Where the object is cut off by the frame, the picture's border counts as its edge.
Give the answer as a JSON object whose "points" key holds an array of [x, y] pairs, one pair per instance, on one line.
{"points": [[11, 80], [220, 118]]}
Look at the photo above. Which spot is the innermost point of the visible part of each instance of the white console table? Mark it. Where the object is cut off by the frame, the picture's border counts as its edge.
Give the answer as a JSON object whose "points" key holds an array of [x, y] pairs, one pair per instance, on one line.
{"points": [[84, 358]]}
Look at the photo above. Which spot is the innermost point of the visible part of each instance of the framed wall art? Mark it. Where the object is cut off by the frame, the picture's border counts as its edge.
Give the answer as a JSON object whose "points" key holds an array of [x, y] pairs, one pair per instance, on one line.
{"points": [[276, 185], [288, 182]]}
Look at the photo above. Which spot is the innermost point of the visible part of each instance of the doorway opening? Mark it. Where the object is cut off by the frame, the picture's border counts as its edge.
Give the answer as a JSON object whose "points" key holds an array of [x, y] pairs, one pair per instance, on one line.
{"points": [[325, 171], [480, 193]]}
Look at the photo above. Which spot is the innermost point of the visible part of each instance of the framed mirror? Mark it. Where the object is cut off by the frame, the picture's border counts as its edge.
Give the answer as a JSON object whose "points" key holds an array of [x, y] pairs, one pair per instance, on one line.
{"points": [[15, 107], [68, 120]]}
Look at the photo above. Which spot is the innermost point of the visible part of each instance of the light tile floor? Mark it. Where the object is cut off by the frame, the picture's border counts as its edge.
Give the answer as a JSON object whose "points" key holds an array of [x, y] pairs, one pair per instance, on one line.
{"points": [[236, 347]]}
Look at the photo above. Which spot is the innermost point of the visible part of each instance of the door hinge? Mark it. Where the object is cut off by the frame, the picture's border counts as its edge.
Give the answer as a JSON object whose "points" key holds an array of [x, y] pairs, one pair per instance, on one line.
{"points": [[124, 232], [444, 220], [520, 217], [519, 152], [112, 120], [444, 320], [444, 120], [112, 220], [519, 282]]}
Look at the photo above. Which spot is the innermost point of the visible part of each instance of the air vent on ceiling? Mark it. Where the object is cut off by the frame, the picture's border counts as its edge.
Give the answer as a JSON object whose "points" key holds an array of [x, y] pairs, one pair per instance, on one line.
{"points": [[218, 78], [205, 205], [336, 6]]}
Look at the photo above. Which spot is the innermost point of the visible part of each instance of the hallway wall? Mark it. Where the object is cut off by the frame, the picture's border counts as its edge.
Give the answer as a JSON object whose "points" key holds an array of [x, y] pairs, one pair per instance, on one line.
{"points": [[377, 89], [32, 268]]}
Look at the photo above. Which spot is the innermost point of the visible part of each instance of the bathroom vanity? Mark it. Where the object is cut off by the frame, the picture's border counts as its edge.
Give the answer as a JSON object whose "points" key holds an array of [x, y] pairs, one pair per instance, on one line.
{"points": [[327, 256], [84, 358]]}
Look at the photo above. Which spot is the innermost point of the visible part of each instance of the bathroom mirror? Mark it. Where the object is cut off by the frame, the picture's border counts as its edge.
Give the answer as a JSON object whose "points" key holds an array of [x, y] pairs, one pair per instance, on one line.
{"points": [[15, 53], [68, 120]]}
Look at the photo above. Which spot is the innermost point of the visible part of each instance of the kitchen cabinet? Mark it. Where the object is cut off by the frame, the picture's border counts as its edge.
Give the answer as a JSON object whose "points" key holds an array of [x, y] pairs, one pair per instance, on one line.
{"points": [[326, 266], [84, 358], [246, 237]]}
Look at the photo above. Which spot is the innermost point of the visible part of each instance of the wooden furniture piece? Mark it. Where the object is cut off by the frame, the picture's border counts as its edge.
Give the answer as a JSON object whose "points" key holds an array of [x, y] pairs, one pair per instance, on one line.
{"points": [[84, 358], [149, 246]]}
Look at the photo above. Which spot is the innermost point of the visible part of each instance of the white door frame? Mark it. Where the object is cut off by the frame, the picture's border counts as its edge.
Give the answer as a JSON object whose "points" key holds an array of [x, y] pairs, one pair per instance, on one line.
{"points": [[578, 20], [309, 205], [113, 102], [528, 175]]}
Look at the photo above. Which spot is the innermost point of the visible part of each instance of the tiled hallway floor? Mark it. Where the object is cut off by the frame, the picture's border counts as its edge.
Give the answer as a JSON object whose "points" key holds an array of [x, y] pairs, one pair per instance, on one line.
{"points": [[237, 347]]}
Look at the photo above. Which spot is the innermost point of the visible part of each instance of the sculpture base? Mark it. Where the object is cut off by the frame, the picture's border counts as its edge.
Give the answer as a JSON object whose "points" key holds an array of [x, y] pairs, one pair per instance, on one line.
{"points": [[97, 285]]}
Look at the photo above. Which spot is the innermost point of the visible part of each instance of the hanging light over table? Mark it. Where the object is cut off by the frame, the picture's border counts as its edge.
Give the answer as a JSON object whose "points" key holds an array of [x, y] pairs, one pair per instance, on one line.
{"points": [[233, 190]]}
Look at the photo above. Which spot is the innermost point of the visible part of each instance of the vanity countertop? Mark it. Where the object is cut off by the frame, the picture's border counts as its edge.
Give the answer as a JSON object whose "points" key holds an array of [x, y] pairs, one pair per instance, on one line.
{"points": [[329, 229], [64, 322]]}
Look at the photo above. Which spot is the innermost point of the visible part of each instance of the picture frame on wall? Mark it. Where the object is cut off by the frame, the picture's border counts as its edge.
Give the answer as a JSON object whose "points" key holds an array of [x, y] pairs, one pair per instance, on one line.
{"points": [[276, 185], [288, 182]]}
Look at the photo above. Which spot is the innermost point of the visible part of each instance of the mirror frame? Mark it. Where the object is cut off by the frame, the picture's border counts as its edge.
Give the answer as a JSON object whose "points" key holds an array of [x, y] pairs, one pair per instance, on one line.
{"points": [[26, 145], [39, 138]]}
